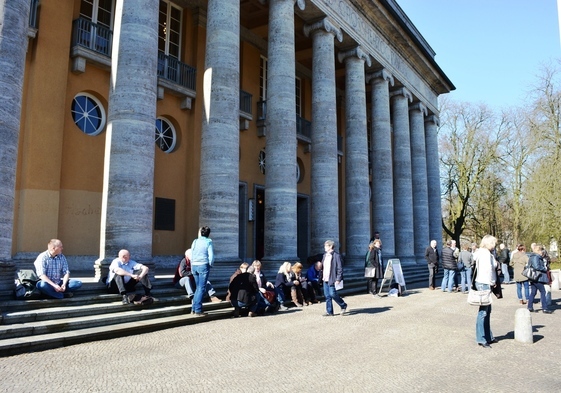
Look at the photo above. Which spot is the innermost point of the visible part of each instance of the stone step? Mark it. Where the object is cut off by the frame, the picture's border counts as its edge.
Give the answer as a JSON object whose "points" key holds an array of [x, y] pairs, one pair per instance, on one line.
{"points": [[92, 314]]}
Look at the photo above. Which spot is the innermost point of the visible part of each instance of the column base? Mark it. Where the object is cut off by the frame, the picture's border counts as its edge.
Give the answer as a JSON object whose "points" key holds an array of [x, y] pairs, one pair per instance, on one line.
{"points": [[7, 278]]}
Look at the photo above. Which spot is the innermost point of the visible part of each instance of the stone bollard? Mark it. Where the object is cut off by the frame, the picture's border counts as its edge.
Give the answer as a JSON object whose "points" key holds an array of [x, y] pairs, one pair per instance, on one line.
{"points": [[523, 331]]}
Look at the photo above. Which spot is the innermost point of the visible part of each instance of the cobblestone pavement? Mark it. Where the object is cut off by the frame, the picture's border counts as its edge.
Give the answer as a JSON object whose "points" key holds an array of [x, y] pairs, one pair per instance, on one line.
{"points": [[422, 342]]}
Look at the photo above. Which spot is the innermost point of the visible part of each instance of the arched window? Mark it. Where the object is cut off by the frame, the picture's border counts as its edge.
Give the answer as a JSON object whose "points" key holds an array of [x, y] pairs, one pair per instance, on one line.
{"points": [[165, 136], [88, 114]]}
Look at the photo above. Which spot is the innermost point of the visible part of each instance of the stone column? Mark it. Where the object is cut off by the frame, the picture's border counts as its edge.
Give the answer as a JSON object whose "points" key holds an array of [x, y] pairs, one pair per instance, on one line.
{"points": [[433, 179], [281, 219], [324, 178], [220, 139], [381, 161], [14, 22], [128, 180], [402, 186], [417, 113], [356, 160]]}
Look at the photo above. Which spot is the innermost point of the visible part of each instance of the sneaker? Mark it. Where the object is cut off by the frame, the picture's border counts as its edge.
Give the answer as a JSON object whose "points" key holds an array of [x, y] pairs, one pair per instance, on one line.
{"points": [[283, 308], [68, 294], [126, 300], [251, 314], [344, 311], [214, 299], [327, 315], [200, 314], [547, 311]]}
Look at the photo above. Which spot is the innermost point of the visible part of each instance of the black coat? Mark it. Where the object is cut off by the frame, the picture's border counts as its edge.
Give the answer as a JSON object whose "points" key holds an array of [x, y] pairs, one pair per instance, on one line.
{"points": [[432, 256], [244, 288], [375, 261], [448, 259]]}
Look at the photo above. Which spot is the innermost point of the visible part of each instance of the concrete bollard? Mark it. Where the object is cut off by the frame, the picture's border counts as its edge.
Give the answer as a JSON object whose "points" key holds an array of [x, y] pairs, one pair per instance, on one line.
{"points": [[523, 330]]}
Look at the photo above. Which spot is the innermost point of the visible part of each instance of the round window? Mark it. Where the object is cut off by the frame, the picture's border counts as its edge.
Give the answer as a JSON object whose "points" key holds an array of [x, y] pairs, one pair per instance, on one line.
{"points": [[88, 114], [262, 161], [165, 135]]}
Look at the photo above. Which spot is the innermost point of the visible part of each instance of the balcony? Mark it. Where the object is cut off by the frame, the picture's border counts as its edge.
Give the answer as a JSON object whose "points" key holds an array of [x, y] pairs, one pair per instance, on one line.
{"points": [[33, 19], [176, 78], [90, 43]]}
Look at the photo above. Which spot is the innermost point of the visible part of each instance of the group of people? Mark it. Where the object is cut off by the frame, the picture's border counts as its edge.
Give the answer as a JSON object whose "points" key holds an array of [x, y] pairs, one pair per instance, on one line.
{"points": [[487, 265], [250, 290]]}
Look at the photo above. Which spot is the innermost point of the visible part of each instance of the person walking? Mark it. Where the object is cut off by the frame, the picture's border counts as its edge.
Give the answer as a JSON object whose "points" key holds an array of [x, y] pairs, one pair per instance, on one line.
{"points": [[485, 278], [332, 277]]}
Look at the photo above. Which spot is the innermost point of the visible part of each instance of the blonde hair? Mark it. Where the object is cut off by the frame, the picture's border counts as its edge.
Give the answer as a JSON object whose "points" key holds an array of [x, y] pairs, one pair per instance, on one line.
{"points": [[297, 267], [488, 242], [285, 268]]}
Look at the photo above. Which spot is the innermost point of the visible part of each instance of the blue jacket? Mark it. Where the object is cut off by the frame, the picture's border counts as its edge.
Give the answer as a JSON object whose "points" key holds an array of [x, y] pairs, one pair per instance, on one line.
{"points": [[536, 262]]}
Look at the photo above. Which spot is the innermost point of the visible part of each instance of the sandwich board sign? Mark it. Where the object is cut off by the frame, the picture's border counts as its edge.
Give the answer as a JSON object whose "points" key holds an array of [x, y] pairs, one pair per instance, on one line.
{"points": [[393, 273]]}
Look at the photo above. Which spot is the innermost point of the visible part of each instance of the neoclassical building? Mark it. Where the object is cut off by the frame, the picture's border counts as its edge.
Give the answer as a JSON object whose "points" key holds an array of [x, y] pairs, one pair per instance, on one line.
{"points": [[278, 123]]}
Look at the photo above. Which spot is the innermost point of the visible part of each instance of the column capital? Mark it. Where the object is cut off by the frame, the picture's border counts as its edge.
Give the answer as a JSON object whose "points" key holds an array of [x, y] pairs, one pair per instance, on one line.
{"points": [[419, 106], [433, 119], [402, 91], [354, 52], [326, 25], [382, 74], [300, 3]]}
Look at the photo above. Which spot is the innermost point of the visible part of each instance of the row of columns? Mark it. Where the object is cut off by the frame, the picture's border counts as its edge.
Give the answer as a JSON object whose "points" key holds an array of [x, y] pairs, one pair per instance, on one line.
{"points": [[399, 204]]}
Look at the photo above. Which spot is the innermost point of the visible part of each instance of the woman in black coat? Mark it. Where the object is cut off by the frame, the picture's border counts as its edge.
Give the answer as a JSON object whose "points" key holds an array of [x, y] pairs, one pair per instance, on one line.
{"points": [[375, 261]]}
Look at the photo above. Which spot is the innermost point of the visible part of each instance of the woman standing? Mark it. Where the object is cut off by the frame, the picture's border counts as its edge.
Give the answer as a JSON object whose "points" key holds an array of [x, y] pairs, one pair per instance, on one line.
{"points": [[202, 259], [536, 261], [518, 262], [375, 261], [485, 278]]}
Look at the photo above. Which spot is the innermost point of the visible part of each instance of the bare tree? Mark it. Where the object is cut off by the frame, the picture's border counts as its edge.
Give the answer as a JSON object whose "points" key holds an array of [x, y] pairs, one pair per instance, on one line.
{"points": [[469, 140]]}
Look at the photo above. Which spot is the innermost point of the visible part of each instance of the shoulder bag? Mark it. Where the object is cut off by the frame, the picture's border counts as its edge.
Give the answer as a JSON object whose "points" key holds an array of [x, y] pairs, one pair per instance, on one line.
{"points": [[529, 272], [479, 297]]}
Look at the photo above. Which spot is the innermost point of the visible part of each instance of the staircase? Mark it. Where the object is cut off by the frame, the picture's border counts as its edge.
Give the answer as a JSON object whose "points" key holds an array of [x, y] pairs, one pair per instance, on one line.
{"points": [[92, 314]]}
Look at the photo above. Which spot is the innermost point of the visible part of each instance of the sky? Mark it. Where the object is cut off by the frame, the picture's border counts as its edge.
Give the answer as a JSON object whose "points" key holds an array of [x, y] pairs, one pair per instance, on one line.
{"points": [[491, 50]]}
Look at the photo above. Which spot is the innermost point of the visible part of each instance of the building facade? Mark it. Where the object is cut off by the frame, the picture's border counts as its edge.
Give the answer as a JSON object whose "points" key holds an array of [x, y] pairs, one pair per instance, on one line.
{"points": [[277, 123]]}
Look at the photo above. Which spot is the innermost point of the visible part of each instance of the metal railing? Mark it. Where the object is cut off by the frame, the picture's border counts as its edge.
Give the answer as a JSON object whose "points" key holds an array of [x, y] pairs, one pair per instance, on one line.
{"points": [[90, 35], [245, 101], [33, 14], [303, 127], [175, 71]]}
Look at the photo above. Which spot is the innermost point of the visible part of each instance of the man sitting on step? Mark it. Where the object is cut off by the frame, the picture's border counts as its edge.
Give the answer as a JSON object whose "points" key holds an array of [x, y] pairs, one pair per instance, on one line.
{"points": [[184, 278], [52, 268], [125, 273]]}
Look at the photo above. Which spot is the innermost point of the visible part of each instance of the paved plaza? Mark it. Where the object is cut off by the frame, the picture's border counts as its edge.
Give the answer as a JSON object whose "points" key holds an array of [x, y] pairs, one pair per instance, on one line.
{"points": [[422, 342]]}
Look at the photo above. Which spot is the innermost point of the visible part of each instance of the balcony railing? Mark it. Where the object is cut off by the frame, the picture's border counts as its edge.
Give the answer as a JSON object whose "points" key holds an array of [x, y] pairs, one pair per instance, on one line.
{"points": [[245, 102], [175, 71], [303, 128], [33, 14], [92, 36]]}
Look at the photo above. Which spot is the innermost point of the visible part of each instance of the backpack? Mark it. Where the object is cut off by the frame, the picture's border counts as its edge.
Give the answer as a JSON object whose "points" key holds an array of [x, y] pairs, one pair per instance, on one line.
{"points": [[26, 285]]}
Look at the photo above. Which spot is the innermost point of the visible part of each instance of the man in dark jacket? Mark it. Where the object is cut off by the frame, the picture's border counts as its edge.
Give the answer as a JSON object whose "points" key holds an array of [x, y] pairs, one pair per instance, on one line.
{"points": [[450, 265], [504, 259], [432, 257], [243, 290], [332, 277]]}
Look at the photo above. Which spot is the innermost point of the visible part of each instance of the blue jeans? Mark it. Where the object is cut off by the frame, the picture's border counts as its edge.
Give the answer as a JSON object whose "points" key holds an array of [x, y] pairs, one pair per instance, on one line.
{"points": [[47, 290], [281, 297], [483, 332], [468, 277], [331, 294], [250, 306], [519, 285], [506, 276], [200, 273], [188, 284], [448, 279], [535, 286], [463, 280]]}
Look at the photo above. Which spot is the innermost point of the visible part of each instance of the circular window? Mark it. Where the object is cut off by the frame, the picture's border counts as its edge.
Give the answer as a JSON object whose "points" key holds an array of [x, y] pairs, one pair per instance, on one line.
{"points": [[262, 161], [165, 135], [88, 114]]}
